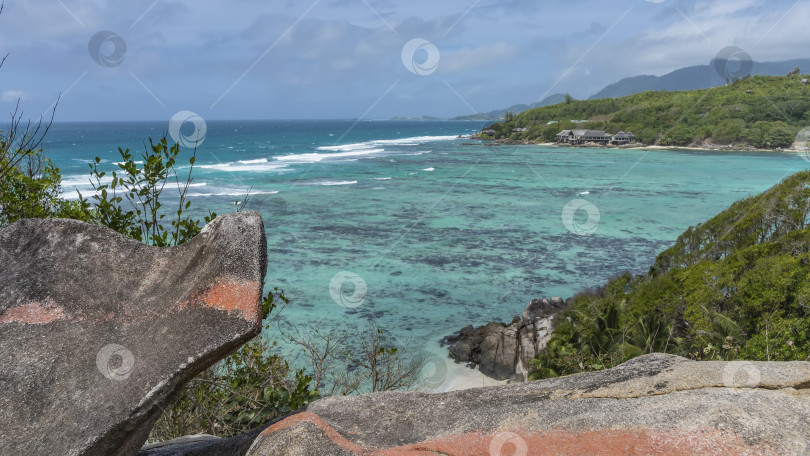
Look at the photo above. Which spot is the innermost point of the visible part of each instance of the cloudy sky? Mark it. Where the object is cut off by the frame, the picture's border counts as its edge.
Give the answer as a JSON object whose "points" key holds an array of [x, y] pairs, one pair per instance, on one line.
{"points": [[253, 59]]}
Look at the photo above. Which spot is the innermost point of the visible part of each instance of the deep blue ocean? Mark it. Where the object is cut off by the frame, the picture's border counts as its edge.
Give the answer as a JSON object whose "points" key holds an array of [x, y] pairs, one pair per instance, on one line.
{"points": [[421, 232]]}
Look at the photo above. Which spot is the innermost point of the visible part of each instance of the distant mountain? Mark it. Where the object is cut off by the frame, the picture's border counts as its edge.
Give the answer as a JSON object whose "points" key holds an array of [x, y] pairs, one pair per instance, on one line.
{"points": [[688, 78], [517, 109], [692, 78]]}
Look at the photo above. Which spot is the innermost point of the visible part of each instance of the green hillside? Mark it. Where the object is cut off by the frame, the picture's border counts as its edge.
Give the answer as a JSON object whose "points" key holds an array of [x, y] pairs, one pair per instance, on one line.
{"points": [[735, 287], [760, 112]]}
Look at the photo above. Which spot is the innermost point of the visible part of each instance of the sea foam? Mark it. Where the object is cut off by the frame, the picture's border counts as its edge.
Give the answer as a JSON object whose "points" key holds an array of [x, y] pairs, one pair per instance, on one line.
{"points": [[258, 165], [316, 157], [412, 141]]}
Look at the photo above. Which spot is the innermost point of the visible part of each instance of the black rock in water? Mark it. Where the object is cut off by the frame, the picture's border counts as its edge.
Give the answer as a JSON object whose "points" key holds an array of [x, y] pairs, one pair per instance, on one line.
{"points": [[503, 351]]}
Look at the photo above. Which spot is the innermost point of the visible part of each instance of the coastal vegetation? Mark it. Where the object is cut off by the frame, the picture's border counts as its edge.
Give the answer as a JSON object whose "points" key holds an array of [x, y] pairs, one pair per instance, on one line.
{"points": [[131, 202], [763, 112], [734, 287], [30, 184]]}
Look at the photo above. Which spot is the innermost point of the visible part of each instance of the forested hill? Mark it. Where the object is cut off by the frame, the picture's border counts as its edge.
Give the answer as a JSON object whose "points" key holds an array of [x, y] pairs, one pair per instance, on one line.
{"points": [[761, 112], [692, 78], [734, 287]]}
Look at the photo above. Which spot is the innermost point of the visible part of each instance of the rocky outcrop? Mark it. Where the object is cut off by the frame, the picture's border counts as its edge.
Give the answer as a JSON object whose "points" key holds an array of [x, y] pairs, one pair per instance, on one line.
{"points": [[652, 405], [169, 447], [503, 351], [98, 330], [204, 445]]}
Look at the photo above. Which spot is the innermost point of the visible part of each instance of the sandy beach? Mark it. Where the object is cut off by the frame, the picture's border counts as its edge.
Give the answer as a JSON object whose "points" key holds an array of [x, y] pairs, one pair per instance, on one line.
{"points": [[711, 149], [633, 146], [461, 377], [646, 147]]}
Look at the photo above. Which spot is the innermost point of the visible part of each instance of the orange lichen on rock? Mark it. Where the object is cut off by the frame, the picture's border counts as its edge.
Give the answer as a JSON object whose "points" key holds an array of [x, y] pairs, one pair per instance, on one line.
{"points": [[328, 430], [231, 295], [619, 442], [34, 313]]}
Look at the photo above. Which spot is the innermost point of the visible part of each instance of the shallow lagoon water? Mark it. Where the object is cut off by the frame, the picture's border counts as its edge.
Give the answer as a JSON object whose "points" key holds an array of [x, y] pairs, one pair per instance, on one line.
{"points": [[436, 233]]}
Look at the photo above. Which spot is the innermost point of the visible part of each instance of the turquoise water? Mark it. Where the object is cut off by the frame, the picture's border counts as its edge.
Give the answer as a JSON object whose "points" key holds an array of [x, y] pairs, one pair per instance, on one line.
{"points": [[437, 234]]}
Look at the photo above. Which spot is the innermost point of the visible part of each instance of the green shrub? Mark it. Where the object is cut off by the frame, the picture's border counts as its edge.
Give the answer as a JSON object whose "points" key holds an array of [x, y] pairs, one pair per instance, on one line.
{"points": [[240, 393], [30, 184], [132, 203]]}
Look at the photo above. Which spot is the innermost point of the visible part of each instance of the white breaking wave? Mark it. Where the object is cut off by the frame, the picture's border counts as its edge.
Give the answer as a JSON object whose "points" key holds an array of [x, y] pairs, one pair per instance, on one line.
{"points": [[254, 166], [230, 193], [429, 169], [413, 141], [73, 184], [138, 162], [382, 178], [253, 162], [82, 181], [331, 183], [359, 149], [315, 157]]}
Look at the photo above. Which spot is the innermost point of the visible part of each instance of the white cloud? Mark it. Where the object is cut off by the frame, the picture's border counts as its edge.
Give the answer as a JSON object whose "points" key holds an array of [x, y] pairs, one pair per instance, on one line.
{"points": [[722, 8], [14, 95], [342, 54], [695, 35], [455, 61]]}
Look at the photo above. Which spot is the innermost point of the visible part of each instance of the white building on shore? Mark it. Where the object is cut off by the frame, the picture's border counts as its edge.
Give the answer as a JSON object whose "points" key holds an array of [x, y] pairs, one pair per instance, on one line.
{"points": [[594, 136]]}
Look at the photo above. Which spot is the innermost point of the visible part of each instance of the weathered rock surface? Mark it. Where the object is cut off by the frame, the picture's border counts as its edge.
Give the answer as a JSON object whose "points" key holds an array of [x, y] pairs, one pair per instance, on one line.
{"points": [[652, 405], [98, 330], [503, 351], [168, 446], [191, 446]]}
